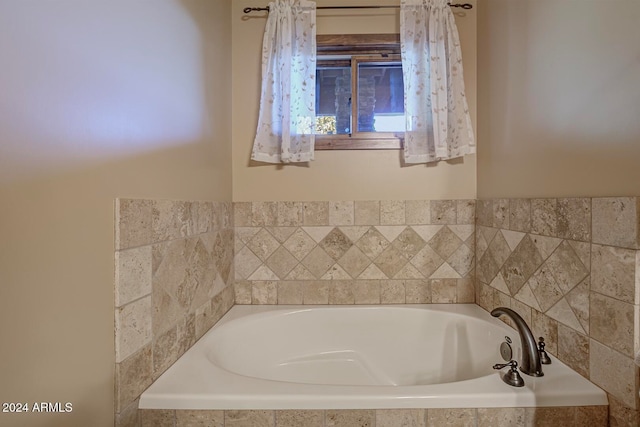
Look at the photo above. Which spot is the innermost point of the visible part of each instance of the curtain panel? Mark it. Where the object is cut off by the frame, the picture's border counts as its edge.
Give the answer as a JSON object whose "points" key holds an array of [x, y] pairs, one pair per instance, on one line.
{"points": [[286, 123], [438, 123]]}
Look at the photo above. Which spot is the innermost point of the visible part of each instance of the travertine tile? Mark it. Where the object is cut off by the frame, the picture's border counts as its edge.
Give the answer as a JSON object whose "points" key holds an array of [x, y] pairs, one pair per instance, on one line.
{"points": [[300, 272], [462, 260], [566, 267], [455, 417], [171, 219], [616, 221], [242, 214], [408, 243], [165, 351], [620, 415], [341, 292], [392, 292], [133, 223], [544, 217], [289, 292], [263, 244], [372, 243], [520, 215], [484, 212], [289, 214], [595, 416], [466, 212], [401, 418], [133, 274], [264, 214], [613, 272], [546, 327], [129, 416], [574, 219], [264, 292], [316, 213], [445, 242], [281, 262], [299, 244], [545, 288], [281, 234], [195, 418], [242, 292], [350, 418], [418, 291], [354, 262], [366, 291], [578, 300], [367, 212], [317, 262], [249, 418], [620, 381], [133, 376], [157, 417], [335, 244], [443, 211], [612, 323], [418, 212], [392, 212], [390, 261], [521, 264], [465, 290], [563, 313], [550, 416], [315, 292], [501, 417], [444, 291], [133, 327], [485, 296], [573, 349], [299, 418], [501, 213], [341, 213], [245, 263], [427, 261]]}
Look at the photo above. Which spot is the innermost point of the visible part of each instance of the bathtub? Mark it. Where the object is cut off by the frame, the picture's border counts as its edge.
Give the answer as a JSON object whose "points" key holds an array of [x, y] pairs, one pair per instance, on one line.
{"points": [[358, 357]]}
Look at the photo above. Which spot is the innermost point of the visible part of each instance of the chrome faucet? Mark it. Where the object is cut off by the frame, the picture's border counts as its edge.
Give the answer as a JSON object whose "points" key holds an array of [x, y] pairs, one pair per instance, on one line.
{"points": [[530, 357]]}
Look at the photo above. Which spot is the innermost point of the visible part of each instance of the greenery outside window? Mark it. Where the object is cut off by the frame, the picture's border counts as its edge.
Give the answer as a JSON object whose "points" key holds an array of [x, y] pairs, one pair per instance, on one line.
{"points": [[359, 93]]}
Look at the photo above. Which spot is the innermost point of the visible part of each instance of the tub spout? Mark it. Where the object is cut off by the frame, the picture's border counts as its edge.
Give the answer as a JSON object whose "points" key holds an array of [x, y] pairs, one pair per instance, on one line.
{"points": [[530, 357]]}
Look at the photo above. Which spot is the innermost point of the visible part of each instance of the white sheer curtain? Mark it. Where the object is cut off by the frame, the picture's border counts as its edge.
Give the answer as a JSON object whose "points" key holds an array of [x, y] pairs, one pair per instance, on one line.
{"points": [[438, 124], [286, 123]]}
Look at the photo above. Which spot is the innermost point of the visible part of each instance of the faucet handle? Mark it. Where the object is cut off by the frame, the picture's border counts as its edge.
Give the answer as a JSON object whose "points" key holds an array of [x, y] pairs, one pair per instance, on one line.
{"points": [[512, 377], [544, 357]]}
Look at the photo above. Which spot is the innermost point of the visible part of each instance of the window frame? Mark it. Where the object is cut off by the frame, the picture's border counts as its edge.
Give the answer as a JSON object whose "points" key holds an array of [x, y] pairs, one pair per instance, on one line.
{"points": [[361, 48]]}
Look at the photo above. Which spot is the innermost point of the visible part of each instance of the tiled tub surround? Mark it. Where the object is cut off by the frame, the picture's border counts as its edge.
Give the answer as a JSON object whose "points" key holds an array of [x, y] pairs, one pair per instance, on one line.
{"points": [[354, 252], [174, 274], [571, 268]]}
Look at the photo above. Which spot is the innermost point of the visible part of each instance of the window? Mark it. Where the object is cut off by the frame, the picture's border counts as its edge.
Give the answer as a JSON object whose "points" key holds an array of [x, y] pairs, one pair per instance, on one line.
{"points": [[359, 93]]}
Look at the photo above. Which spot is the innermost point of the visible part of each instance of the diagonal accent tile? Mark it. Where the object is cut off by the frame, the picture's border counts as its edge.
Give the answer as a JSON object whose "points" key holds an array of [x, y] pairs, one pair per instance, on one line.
{"points": [[281, 262], [372, 272], [445, 271], [578, 300], [317, 233], [566, 267], [522, 263], [427, 231], [245, 234], [462, 260], [462, 231], [335, 244], [263, 244], [263, 273], [500, 249], [526, 296], [488, 233], [354, 261], [562, 312], [445, 242], [481, 245], [408, 243], [245, 263], [427, 261], [499, 284], [390, 232], [300, 272], [317, 262], [409, 272], [281, 233], [513, 238], [299, 244], [583, 251], [390, 261], [336, 273], [372, 243], [354, 233], [545, 288], [546, 245]]}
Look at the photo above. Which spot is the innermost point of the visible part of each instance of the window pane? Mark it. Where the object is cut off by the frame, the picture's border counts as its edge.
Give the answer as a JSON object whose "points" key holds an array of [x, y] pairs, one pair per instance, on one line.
{"points": [[333, 100], [380, 97]]}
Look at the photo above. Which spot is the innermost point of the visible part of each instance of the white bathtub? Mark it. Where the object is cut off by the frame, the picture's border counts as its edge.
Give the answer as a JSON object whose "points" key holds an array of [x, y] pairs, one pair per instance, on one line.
{"points": [[358, 357]]}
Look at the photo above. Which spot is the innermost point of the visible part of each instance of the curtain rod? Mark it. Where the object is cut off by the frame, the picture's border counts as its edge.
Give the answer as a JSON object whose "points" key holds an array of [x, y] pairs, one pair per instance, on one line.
{"points": [[259, 9]]}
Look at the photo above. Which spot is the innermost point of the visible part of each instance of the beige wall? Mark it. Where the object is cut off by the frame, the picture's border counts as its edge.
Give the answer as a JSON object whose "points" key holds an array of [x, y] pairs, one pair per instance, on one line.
{"points": [[337, 175], [99, 100], [559, 98]]}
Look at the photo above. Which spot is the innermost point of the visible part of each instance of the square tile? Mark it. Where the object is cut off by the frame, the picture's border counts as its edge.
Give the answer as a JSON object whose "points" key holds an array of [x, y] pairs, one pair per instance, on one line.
{"points": [[616, 221], [133, 327], [392, 212], [367, 212]]}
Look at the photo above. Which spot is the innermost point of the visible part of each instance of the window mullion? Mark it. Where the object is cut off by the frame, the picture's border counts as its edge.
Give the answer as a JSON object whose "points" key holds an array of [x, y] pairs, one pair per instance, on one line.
{"points": [[354, 96]]}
